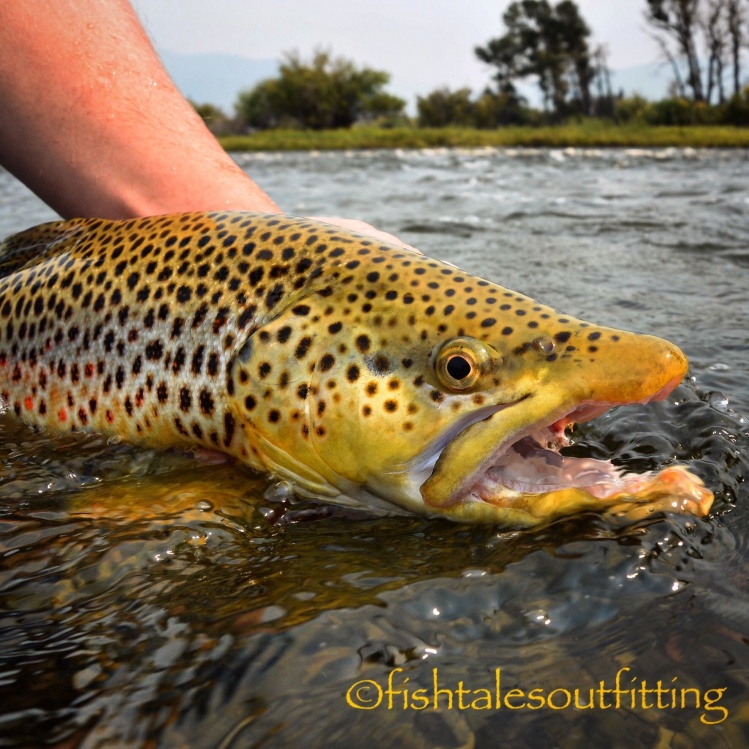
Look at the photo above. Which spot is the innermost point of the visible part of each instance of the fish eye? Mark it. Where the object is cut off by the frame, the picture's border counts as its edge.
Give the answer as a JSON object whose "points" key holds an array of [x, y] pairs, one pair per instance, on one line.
{"points": [[459, 363], [458, 367]]}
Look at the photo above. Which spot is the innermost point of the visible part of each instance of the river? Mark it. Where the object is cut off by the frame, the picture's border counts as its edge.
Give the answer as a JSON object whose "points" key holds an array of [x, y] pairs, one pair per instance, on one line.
{"points": [[146, 600]]}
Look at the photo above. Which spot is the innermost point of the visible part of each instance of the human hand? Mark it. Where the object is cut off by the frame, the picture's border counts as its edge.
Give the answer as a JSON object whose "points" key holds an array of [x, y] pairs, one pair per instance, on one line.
{"points": [[364, 228]]}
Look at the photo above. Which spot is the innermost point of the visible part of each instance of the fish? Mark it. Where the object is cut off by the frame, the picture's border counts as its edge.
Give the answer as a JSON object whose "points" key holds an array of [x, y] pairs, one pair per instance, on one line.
{"points": [[350, 370]]}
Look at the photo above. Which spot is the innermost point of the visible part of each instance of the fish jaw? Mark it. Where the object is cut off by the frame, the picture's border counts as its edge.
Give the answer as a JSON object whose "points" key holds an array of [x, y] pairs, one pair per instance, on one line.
{"points": [[471, 481], [674, 489]]}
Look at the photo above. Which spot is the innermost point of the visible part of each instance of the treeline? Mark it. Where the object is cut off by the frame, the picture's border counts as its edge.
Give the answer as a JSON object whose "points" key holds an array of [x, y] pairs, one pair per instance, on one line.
{"points": [[445, 108], [549, 44]]}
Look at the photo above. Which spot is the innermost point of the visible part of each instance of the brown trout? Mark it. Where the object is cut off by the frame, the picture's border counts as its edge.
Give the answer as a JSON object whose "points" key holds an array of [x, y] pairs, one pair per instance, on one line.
{"points": [[362, 373]]}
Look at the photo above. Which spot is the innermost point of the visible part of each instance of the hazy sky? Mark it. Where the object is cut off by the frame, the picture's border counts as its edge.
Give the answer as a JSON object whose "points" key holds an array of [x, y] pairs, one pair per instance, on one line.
{"points": [[424, 44]]}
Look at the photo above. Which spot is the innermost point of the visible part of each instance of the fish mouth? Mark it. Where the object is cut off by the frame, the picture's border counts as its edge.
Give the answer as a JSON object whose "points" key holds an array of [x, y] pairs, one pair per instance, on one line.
{"points": [[526, 461], [534, 465], [524, 480]]}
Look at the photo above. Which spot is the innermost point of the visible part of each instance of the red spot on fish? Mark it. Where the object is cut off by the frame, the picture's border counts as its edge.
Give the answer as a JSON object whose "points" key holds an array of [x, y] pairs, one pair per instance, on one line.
{"points": [[3, 360], [109, 417], [89, 370], [62, 415], [29, 403]]}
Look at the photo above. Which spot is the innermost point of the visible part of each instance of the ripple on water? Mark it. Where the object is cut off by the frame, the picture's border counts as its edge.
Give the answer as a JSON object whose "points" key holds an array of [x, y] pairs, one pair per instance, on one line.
{"points": [[148, 599]]}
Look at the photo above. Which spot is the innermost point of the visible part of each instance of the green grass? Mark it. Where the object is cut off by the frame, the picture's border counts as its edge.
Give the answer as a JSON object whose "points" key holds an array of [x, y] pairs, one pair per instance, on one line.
{"points": [[585, 135]]}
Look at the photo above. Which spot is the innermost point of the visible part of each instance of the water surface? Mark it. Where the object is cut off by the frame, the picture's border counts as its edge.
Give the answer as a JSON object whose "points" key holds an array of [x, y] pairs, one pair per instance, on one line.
{"points": [[147, 599]]}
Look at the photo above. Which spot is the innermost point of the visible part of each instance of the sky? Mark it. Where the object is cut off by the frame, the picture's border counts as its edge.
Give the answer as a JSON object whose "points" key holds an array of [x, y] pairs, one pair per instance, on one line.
{"points": [[423, 44]]}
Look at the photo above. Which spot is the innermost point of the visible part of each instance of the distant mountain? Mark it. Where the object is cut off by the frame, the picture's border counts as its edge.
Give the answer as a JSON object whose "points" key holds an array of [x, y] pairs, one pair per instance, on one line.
{"points": [[216, 78]]}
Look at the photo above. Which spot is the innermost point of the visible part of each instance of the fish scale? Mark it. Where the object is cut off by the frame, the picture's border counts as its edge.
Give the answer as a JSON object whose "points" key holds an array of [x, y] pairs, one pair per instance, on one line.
{"points": [[349, 367]]}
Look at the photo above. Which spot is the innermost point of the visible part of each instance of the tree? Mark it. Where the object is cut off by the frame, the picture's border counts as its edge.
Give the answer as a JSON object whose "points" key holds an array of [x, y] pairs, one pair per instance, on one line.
{"points": [[493, 110], [443, 107], [678, 19], [605, 104], [678, 26], [548, 42], [324, 93], [573, 38], [712, 26], [735, 20]]}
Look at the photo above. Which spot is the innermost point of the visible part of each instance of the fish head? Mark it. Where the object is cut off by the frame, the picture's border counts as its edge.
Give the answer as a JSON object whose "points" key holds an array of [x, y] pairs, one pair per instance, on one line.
{"points": [[404, 381]]}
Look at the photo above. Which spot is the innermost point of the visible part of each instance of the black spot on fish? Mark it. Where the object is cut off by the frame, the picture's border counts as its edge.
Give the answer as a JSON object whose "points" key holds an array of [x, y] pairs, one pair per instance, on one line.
{"points": [[363, 344], [179, 360], [213, 364], [381, 364], [206, 402], [327, 362], [184, 294], [229, 425], [303, 347], [274, 296], [197, 360], [154, 350]]}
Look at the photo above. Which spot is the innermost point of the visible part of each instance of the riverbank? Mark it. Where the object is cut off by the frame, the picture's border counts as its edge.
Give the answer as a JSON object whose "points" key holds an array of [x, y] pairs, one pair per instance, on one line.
{"points": [[588, 135]]}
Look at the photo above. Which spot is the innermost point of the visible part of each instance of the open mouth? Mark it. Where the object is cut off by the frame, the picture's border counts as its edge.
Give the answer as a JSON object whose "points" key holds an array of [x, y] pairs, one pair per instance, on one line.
{"points": [[525, 480], [534, 465]]}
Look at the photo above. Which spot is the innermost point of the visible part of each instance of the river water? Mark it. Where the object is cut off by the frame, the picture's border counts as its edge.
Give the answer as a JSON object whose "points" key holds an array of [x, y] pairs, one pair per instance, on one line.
{"points": [[146, 600]]}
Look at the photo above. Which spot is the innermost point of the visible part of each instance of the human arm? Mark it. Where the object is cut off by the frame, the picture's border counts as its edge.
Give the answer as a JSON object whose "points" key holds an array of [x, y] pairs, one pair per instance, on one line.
{"points": [[93, 124]]}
